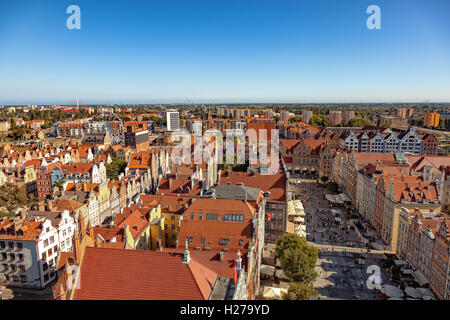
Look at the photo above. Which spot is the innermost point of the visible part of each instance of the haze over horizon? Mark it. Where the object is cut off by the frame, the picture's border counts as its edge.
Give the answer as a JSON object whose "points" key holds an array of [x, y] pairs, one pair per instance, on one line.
{"points": [[224, 51]]}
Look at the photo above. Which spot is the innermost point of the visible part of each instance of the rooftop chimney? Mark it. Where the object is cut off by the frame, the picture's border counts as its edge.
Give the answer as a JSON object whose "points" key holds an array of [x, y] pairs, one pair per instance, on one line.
{"points": [[221, 256], [186, 256], [238, 261]]}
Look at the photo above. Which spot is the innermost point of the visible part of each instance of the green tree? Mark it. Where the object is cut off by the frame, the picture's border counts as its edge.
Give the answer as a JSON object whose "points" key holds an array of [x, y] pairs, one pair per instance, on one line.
{"points": [[319, 120], [297, 257], [295, 119], [299, 263], [115, 168], [300, 291], [59, 184], [333, 187], [287, 241], [11, 199], [358, 122]]}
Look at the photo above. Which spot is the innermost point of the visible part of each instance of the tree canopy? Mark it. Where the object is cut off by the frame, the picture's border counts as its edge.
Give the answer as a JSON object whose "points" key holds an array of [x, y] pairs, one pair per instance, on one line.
{"points": [[295, 119], [298, 258], [332, 187], [11, 199], [320, 120], [300, 291], [115, 168], [358, 122]]}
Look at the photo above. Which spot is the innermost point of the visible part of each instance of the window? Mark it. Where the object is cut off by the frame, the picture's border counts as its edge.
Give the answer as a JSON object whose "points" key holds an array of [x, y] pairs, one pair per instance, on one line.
{"points": [[174, 227], [44, 255], [23, 278], [241, 242], [4, 257], [45, 266], [46, 277], [19, 245], [203, 240], [174, 237], [11, 245], [211, 216], [224, 241], [16, 278], [200, 216], [45, 243], [13, 267], [172, 217], [22, 268], [233, 217], [55, 249], [12, 256], [190, 239], [192, 216], [5, 267], [20, 256], [2, 245]]}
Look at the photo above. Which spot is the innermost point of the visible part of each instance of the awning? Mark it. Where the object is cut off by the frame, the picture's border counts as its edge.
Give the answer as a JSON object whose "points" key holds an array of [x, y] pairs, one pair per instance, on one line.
{"points": [[413, 292], [420, 277], [399, 263], [281, 275], [267, 270], [391, 291], [273, 293]]}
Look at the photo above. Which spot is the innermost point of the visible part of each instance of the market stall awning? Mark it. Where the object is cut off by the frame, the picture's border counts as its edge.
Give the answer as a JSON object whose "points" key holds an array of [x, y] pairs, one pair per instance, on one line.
{"points": [[391, 291], [281, 275], [413, 292], [420, 277], [267, 270]]}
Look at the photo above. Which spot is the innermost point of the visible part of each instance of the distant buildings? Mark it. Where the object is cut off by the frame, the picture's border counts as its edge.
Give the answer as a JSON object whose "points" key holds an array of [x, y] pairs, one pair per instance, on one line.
{"points": [[431, 119], [284, 116], [335, 117], [306, 116], [404, 112], [393, 121], [347, 115], [173, 120], [137, 135], [234, 113]]}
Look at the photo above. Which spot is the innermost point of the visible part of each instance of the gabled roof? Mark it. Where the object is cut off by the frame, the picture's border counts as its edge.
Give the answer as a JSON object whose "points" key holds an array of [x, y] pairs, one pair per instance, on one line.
{"points": [[119, 274], [273, 183]]}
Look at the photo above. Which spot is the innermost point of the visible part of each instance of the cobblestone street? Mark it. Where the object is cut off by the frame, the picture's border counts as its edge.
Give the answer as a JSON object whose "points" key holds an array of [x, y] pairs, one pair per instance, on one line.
{"points": [[12, 293], [343, 258]]}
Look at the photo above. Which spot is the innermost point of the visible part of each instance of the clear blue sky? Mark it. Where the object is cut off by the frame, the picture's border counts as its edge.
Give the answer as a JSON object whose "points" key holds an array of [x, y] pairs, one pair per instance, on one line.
{"points": [[224, 51]]}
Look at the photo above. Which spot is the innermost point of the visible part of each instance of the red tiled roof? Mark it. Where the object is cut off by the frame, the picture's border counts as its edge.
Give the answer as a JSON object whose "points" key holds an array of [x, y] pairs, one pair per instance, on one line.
{"points": [[275, 183], [31, 230], [119, 274], [214, 230]]}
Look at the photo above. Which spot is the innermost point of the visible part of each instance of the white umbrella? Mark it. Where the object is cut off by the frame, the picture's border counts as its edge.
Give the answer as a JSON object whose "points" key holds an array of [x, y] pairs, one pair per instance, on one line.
{"points": [[391, 291], [273, 293], [413, 292]]}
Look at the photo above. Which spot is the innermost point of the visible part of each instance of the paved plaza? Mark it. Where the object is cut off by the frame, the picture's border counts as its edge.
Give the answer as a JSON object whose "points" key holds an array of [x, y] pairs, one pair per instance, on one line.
{"points": [[343, 257], [12, 293]]}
